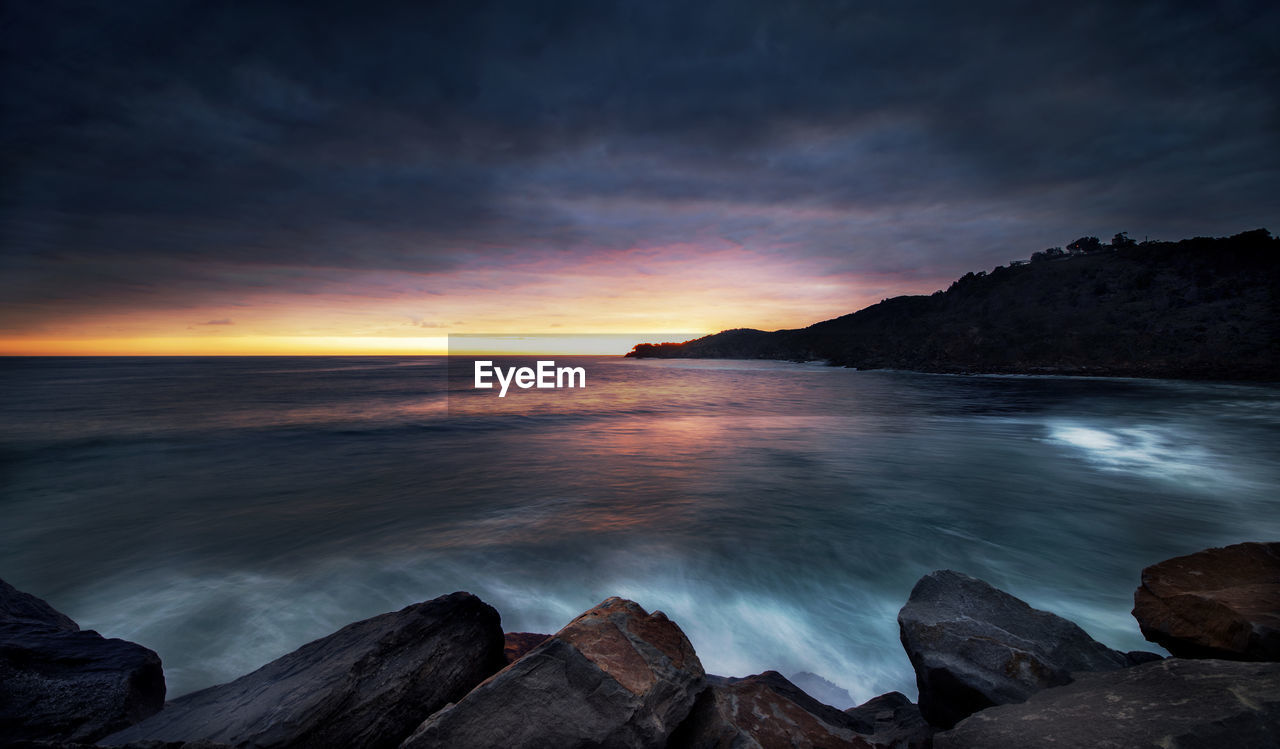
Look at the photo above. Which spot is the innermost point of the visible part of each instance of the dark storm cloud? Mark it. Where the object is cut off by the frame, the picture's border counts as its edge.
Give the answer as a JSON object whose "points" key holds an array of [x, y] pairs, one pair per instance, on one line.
{"points": [[164, 153]]}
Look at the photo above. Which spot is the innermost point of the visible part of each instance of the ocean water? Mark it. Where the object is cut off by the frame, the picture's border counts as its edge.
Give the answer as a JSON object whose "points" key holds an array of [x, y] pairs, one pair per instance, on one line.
{"points": [[223, 511]]}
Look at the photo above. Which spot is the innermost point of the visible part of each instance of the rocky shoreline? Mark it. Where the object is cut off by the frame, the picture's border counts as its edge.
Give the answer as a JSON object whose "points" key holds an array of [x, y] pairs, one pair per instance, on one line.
{"points": [[992, 672]]}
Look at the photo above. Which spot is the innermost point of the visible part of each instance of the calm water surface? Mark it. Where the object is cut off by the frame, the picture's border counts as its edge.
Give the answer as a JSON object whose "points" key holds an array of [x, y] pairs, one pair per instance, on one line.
{"points": [[223, 511]]}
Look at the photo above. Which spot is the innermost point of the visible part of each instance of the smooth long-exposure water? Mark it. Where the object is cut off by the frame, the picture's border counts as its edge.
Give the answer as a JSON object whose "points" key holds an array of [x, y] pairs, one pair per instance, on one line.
{"points": [[223, 511]]}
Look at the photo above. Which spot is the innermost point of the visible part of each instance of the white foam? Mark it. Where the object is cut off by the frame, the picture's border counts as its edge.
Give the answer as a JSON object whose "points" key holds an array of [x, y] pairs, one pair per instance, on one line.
{"points": [[1152, 451], [209, 629]]}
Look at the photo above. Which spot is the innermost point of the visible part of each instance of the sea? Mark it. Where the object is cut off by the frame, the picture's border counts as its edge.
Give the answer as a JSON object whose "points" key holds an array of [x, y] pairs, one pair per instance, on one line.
{"points": [[223, 511]]}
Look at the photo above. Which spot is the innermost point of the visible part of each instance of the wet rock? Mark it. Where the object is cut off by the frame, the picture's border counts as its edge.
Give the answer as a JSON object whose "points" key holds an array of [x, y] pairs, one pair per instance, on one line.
{"points": [[1189, 704], [893, 720], [368, 685], [63, 684], [614, 677], [1216, 603], [764, 711], [516, 644], [973, 646]]}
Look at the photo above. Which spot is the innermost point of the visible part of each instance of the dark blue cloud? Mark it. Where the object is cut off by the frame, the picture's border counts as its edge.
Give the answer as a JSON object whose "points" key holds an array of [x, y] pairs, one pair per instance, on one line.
{"points": [[148, 144]]}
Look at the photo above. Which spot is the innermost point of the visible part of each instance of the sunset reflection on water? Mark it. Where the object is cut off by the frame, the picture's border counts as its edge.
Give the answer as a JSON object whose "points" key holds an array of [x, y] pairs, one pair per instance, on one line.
{"points": [[779, 512]]}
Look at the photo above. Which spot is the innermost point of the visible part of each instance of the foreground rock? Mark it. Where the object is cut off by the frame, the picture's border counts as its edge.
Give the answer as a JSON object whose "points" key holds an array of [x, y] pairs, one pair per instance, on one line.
{"points": [[60, 683], [516, 644], [973, 646], [767, 710], [366, 685], [764, 710], [1216, 603], [894, 721], [614, 677], [1172, 703]]}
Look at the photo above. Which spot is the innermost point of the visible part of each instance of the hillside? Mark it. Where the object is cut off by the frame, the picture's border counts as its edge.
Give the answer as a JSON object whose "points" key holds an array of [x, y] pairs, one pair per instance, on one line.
{"points": [[1202, 308]]}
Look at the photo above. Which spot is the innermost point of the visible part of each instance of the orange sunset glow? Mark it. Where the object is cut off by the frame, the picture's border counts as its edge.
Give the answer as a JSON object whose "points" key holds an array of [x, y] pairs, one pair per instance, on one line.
{"points": [[680, 290]]}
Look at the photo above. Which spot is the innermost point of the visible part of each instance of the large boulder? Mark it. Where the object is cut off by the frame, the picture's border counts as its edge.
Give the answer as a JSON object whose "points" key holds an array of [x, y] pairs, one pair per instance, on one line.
{"points": [[1216, 603], [1189, 704], [973, 646], [614, 677], [59, 683], [766, 710], [368, 685]]}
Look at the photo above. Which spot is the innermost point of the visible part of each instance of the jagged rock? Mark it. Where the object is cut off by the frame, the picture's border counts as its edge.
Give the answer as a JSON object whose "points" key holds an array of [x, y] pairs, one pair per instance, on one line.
{"points": [[367, 685], [822, 690], [764, 711], [614, 677], [973, 646], [1216, 603], [63, 684], [516, 644], [893, 721], [1189, 704]]}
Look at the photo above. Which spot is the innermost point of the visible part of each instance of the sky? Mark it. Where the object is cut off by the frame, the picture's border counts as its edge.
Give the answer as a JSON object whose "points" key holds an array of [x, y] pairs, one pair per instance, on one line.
{"points": [[366, 177]]}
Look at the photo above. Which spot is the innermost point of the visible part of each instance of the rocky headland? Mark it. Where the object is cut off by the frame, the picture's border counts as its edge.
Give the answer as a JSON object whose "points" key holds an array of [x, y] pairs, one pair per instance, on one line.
{"points": [[992, 672], [1203, 308]]}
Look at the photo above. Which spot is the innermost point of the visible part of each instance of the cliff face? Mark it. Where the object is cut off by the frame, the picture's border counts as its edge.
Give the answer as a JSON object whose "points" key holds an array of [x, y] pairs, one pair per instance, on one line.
{"points": [[1199, 308]]}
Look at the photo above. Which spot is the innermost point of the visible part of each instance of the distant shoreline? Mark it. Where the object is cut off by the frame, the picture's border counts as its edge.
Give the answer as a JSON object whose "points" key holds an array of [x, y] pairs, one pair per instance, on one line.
{"points": [[1038, 374], [1200, 309]]}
